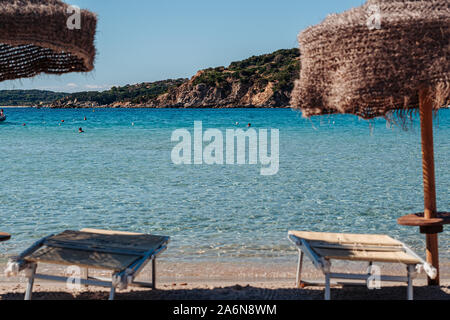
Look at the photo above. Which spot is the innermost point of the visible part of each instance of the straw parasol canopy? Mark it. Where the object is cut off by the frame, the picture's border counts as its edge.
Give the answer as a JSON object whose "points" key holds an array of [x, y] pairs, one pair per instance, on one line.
{"points": [[39, 36], [35, 38], [386, 58], [370, 61]]}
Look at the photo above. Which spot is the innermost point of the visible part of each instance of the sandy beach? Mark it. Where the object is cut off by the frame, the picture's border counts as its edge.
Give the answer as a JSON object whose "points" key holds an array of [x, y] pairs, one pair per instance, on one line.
{"points": [[271, 290], [225, 281]]}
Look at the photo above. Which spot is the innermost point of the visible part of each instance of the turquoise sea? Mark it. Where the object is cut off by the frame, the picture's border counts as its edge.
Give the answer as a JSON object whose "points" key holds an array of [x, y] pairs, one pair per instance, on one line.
{"points": [[337, 174]]}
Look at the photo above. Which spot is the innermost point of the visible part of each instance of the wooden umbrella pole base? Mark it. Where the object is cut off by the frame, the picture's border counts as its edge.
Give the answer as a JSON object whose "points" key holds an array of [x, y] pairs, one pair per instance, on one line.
{"points": [[429, 180]]}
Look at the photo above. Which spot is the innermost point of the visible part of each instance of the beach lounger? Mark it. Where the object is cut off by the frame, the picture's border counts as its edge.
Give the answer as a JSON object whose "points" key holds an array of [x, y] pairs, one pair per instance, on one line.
{"points": [[321, 248], [124, 254]]}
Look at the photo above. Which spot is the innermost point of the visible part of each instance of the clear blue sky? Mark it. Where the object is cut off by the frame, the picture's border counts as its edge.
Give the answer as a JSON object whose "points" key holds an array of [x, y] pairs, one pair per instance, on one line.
{"points": [[148, 40]]}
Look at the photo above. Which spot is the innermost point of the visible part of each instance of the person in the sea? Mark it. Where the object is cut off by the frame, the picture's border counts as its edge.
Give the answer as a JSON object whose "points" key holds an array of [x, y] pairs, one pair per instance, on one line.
{"points": [[80, 130], [249, 125], [2, 114]]}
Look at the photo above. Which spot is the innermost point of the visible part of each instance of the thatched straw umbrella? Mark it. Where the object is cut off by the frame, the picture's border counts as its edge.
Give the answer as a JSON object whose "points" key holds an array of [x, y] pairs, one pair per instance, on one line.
{"points": [[385, 58], [44, 36]]}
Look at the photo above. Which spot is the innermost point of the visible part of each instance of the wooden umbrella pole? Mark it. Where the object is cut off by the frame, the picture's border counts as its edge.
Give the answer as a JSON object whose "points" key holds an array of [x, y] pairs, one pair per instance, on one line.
{"points": [[429, 180]]}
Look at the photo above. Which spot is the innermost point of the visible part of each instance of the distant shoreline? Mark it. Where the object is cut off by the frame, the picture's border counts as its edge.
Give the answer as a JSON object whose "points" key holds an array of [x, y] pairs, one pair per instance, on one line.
{"points": [[128, 108], [15, 107], [155, 108]]}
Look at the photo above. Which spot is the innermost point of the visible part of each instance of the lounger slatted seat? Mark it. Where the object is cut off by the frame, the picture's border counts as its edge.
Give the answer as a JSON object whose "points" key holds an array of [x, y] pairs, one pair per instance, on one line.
{"points": [[94, 250], [124, 254], [83, 259], [321, 248]]}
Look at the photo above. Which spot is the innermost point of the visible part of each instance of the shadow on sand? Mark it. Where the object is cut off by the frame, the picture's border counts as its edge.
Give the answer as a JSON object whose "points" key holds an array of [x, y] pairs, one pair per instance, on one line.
{"points": [[248, 293]]}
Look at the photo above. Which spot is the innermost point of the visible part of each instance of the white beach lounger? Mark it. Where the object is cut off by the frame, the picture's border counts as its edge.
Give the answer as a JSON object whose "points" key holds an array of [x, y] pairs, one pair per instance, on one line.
{"points": [[321, 248], [123, 253]]}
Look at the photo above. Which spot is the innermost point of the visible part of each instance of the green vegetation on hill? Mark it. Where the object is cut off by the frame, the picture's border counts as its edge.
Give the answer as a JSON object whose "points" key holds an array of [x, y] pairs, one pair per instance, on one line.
{"points": [[139, 93], [280, 67], [28, 97]]}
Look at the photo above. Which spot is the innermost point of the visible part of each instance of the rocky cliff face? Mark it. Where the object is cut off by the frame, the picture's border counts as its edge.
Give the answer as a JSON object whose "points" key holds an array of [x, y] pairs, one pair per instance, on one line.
{"points": [[260, 82], [231, 94]]}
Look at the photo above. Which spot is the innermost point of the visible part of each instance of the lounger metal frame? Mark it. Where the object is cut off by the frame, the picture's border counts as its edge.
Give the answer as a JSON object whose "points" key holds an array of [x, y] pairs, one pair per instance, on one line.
{"points": [[120, 280], [324, 265]]}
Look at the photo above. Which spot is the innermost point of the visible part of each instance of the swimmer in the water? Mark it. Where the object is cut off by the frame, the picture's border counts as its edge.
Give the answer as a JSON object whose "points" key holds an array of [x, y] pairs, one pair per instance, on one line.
{"points": [[249, 125], [85, 118], [80, 130], [2, 113]]}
